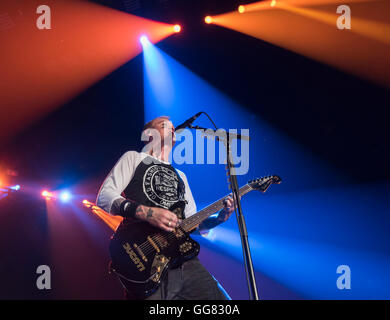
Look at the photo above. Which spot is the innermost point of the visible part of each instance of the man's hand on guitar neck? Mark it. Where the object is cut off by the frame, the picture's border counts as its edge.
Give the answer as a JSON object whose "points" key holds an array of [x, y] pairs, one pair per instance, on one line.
{"points": [[217, 219], [228, 209], [158, 217]]}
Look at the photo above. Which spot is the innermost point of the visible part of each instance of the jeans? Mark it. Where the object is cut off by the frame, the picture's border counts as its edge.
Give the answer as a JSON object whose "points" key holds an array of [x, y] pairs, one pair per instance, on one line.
{"points": [[190, 281]]}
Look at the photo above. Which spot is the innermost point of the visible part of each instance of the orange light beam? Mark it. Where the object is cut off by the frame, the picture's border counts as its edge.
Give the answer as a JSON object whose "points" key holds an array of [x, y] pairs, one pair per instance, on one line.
{"points": [[363, 50], [261, 5], [265, 5], [110, 220], [375, 30], [42, 69]]}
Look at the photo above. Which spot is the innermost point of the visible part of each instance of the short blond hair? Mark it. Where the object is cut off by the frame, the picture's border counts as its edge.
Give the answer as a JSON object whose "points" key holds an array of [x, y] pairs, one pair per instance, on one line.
{"points": [[151, 123]]}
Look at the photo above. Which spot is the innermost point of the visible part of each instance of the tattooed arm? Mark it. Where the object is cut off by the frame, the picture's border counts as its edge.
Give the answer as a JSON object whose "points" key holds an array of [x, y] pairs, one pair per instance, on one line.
{"points": [[110, 199], [157, 217]]}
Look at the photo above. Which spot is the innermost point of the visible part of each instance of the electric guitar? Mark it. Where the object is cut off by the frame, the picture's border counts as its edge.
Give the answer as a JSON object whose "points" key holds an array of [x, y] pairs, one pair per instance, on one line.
{"points": [[141, 254]]}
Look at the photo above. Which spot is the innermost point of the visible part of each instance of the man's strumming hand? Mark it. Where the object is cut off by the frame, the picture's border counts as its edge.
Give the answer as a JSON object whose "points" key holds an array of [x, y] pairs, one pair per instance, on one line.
{"points": [[158, 217]]}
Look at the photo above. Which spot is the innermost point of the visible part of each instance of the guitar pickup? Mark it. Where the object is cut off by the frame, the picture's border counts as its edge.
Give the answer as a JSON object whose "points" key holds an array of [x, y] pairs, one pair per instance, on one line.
{"points": [[154, 245], [140, 252]]}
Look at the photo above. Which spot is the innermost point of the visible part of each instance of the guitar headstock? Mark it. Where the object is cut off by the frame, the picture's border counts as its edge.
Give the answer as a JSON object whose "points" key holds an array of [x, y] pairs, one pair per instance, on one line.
{"points": [[262, 184]]}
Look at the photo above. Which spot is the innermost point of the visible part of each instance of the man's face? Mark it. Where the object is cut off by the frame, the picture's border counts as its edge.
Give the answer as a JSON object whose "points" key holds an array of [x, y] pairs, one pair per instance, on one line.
{"points": [[166, 131]]}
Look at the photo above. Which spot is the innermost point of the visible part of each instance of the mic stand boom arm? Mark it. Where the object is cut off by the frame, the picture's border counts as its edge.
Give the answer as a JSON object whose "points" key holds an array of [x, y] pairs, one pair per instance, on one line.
{"points": [[226, 137]]}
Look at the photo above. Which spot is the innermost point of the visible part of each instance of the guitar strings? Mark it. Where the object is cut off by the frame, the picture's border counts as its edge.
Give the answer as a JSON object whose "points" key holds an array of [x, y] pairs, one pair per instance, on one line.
{"points": [[146, 247]]}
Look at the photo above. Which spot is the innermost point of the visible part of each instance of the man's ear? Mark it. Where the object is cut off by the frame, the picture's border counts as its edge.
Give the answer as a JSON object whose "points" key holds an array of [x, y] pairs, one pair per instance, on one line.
{"points": [[147, 132], [146, 135]]}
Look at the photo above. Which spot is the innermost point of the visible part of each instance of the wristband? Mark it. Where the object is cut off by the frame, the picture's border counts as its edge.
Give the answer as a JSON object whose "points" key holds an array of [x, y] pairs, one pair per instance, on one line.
{"points": [[128, 209]]}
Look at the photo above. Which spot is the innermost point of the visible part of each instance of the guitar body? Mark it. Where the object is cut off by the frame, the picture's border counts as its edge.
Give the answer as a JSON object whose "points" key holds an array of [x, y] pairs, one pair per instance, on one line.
{"points": [[142, 254]]}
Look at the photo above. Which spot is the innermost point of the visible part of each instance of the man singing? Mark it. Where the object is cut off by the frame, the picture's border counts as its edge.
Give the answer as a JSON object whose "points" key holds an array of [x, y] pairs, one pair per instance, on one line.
{"points": [[151, 186]]}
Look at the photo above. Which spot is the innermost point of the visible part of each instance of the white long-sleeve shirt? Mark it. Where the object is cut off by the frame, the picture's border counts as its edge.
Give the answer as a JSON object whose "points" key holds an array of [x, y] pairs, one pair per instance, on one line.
{"points": [[123, 172]]}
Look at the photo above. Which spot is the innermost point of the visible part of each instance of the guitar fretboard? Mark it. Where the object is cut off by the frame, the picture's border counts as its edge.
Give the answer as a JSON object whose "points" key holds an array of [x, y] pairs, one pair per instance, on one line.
{"points": [[191, 222]]}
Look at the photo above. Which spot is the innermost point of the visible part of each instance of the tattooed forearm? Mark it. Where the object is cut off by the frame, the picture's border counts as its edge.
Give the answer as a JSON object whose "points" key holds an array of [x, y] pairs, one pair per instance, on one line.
{"points": [[143, 212], [149, 214], [139, 212], [139, 209]]}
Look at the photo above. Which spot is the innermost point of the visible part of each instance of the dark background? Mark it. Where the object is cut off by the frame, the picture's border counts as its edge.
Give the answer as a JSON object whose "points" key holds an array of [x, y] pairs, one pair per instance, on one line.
{"points": [[339, 117], [336, 115]]}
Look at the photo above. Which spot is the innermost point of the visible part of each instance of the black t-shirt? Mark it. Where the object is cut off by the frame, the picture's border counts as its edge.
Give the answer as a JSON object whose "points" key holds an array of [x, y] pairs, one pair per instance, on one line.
{"points": [[155, 184], [148, 181]]}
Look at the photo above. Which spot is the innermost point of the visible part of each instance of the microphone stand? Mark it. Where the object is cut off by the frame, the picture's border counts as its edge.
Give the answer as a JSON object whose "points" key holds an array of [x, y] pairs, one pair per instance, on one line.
{"points": [[226, 138]]}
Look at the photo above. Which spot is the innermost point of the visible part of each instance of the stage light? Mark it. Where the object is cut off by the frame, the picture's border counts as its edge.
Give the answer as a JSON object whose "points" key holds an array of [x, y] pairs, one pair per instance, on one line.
{"points": [[87, 203], [47, 195], [144, 40], [109, 39], [241, 9], [112, 221], [176, 28], [208, 19], [16, 188], [299, 18], [65, 196]]}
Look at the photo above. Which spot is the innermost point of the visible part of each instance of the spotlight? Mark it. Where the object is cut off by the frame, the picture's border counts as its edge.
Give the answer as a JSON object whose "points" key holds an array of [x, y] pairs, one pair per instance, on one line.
{"points": [[241, 9], [208, 19], [273, 3], [65, 196], [176, 28], [144, 40], [16, 188], [87, 203], [47, 195]]}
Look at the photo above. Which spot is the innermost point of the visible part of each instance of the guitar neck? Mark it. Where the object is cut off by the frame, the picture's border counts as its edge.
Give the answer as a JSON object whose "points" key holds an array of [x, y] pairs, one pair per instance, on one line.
{"points": [[193, 221]]}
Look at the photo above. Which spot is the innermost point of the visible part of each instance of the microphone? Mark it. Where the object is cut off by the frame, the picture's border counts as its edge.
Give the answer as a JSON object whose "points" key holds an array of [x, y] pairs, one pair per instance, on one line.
{"points": [[187, 123]]}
